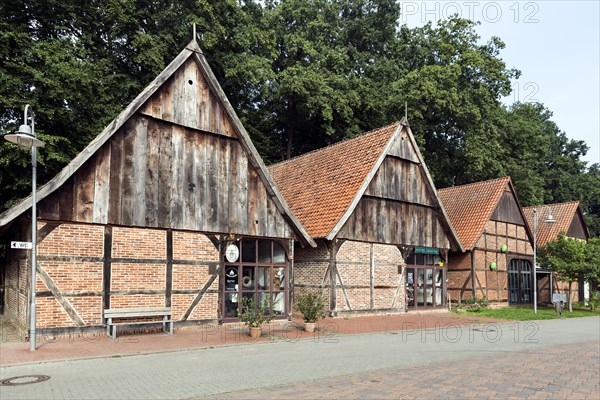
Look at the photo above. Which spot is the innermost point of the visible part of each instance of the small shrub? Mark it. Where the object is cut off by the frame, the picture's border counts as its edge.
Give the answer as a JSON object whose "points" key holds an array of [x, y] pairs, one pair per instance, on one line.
{"points": [[255, 314], [311, 306], [474, 304], [594, 301]]}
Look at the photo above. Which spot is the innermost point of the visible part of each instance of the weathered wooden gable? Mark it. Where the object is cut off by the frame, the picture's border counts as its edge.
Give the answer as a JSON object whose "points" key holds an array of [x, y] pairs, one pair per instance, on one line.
{"points": [[176, 163], [508, 209], [577, 228], [398, 205]]}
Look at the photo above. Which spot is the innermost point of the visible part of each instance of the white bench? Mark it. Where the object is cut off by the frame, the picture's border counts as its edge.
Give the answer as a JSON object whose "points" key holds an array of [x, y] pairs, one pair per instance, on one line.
{"points": [[116, 313]]}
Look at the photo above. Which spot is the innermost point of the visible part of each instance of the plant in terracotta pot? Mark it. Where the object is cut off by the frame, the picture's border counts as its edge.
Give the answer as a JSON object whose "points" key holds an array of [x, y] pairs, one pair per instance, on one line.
{"points": [[255, 315], [312, 308]]}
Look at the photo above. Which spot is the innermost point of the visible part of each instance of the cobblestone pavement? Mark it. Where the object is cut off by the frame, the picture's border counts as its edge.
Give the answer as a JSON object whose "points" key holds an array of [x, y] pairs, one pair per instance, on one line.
{"points": [[546, 359], [565, 372]]}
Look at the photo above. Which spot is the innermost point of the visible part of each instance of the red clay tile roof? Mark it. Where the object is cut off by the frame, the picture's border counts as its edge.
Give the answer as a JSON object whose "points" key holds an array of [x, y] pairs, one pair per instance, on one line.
{"points": [[319, 186], [563, 214], [470, 206]]}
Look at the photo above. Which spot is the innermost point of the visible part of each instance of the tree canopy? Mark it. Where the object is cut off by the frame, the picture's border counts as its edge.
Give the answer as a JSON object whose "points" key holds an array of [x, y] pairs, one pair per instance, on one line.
{"points": [[301, 74], [567, 257]]}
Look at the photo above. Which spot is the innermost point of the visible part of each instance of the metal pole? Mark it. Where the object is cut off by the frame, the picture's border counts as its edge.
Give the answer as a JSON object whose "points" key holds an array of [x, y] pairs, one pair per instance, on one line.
{"points": [[32, 335], [535, 226]]}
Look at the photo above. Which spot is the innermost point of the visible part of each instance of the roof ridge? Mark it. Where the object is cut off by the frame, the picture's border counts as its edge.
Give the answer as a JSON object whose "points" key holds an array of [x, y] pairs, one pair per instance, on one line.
{"points": [[578, 202], [466, 185], [362, 135]]}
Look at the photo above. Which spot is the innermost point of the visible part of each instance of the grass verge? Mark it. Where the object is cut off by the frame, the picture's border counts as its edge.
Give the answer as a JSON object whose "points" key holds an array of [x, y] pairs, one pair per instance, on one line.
{"points": [[526, 313]]}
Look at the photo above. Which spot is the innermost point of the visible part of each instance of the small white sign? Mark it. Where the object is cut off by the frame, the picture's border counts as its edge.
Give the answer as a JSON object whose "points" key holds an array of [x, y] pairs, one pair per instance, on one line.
{"points": [[21, 245], [556, 297], [232, 253]]}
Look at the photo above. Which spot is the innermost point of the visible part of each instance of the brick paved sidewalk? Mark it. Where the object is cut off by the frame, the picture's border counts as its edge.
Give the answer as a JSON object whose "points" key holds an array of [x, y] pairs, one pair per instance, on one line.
{"points": [[51, 348], [565, 372]]}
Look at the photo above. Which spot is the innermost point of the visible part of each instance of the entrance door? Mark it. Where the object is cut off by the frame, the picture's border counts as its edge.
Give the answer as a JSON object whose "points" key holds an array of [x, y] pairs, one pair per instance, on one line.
{"points": [[425, 281], [259, 272], [519, 282]]}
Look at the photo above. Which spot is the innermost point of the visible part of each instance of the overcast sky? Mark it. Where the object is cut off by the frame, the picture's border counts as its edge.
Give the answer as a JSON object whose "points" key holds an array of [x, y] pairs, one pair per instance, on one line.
{"points": [[555, 44]]}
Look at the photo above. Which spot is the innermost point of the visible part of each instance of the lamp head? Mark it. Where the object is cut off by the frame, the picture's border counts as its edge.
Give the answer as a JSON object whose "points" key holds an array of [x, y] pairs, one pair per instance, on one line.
{"points": [[549, 218], [25, 130], [24, 139]]}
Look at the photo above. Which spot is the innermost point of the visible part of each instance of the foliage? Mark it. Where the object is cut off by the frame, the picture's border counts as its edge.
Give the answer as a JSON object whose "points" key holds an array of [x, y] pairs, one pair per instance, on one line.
{"points": [[311, 306], [300, 74], [592, 262], [567, 258], [255, 314], [594, 301], [527, 314], [474, 304]]}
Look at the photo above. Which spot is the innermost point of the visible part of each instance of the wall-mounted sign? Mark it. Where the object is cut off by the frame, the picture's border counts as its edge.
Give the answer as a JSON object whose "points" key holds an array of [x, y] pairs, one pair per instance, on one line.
{"points": [[232, 253], [21, 245], [427, 250]]}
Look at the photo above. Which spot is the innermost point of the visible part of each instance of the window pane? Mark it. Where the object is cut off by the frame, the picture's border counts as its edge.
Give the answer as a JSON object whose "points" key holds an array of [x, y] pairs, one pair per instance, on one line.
{"points": [[249, 250], [410, 290], [264, 278], [231, 279], [279, 303], [264, 251], [278, 253], [278, 278], [248, 282], [231, 305], [262, 296], [420, 286]]}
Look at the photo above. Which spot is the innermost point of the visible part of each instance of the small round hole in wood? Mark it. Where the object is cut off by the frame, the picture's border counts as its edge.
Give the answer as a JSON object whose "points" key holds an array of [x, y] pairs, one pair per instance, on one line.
{"points": [[191, 82]]}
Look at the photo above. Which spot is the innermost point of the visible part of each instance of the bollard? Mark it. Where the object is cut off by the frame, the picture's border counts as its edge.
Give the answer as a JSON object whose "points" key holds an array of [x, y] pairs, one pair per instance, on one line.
{"points": [[558, 307]]}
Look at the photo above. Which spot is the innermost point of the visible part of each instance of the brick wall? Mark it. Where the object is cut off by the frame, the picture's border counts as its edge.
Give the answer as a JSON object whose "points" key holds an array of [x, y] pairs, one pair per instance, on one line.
{"points": [[353, 263], [187, 276], [310, 267], [72, 256], [490, 283]]}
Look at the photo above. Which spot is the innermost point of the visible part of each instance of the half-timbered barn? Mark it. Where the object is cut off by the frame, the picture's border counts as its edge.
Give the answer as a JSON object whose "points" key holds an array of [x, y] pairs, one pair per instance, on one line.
{"points": [[568, 219], [169, 206], [382, 234], [498, 257]]}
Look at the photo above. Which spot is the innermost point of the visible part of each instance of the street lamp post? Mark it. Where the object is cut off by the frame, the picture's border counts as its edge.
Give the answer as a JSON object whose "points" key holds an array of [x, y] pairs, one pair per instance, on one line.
{"points": [[549, 220], [25, 137]]}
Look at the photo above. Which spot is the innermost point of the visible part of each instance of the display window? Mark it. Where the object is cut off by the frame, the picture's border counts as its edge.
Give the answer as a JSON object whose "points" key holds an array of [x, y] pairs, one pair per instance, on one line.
{"points": [[260, 271]]}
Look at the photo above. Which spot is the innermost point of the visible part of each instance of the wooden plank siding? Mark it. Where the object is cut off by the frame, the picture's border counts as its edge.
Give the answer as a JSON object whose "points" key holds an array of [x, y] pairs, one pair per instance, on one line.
{"points": [[186, 100], [155, 174], [383, 221], [401, 180], [507, 209], [577, 228], [397, 207]]}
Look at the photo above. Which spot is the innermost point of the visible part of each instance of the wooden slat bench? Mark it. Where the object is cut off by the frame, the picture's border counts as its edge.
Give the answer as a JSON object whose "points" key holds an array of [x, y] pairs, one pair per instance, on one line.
{"points": [[116, 313]]}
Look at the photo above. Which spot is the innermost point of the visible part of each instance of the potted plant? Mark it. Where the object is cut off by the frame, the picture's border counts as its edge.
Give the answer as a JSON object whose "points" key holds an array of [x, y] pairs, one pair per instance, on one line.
{"points": [[255, 315], [312, 308]]}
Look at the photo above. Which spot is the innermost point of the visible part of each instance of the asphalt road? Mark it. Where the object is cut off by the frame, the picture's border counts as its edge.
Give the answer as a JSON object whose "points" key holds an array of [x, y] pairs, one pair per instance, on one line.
{"points": [[559, 357]]}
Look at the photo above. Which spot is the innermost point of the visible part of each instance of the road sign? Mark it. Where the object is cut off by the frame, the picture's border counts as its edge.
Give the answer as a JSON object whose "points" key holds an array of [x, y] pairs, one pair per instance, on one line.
{"points": [[21, 245], [556, 297]]}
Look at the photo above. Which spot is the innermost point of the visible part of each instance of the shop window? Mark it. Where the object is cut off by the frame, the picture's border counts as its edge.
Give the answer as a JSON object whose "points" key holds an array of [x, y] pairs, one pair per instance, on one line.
{"points": [[261, 274]]}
